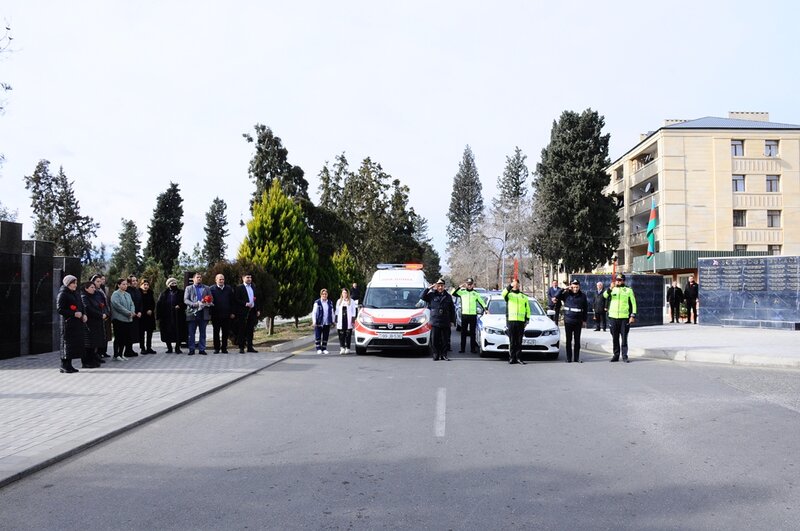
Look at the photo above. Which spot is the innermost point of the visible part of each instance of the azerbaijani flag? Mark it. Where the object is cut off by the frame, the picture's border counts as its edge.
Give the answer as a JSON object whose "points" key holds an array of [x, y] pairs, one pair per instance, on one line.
{"points": [[651, 230]]}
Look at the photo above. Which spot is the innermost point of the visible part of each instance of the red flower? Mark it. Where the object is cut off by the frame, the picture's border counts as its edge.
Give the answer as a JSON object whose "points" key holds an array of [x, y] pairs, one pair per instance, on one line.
{"points": [[207, 299], [73, 307]]}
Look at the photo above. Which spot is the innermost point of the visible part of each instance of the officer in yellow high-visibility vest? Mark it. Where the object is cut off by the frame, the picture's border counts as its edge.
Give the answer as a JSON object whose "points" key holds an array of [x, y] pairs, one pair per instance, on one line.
{"points": [[621, 314], [518, 313], [470, 301]]}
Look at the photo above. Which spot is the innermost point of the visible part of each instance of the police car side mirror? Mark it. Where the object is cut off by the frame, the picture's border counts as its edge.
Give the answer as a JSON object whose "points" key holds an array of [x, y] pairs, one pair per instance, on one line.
{"points": [[551, 312]]}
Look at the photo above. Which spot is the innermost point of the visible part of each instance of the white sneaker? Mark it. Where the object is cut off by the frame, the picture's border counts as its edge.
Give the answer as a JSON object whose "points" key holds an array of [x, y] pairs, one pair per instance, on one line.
{"points": [[123, 358], [342, 351], [319, 352], [347, 351], [325, 351]]}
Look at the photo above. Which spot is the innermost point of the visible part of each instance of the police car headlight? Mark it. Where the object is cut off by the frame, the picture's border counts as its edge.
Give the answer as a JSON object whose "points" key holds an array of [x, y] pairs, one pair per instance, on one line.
{"points": [[551, 332], [365, 319], [418, 320], [494, 331]]}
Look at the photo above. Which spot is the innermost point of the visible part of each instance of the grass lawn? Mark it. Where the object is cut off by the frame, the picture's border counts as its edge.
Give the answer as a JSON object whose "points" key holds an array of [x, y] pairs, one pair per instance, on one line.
{"points": [[283, 333]]}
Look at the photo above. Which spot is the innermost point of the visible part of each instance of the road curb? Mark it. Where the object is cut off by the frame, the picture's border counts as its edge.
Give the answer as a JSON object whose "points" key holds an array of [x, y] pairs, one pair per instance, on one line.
{"points": [[293, 344], [4, 481], [699, 356]]}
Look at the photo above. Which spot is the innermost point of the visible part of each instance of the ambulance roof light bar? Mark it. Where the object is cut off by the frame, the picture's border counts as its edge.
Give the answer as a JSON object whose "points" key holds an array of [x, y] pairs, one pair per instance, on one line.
{"points": [[413, 267]]}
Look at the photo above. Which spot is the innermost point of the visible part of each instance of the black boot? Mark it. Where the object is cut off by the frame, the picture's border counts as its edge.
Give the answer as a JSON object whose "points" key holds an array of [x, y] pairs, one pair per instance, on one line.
{"points": [[66, 366]]}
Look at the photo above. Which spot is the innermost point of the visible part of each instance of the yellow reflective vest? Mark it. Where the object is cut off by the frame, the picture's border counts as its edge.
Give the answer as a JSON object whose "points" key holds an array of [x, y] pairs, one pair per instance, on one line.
{"points": [[470, 300], [622, 302], [518, 308]]}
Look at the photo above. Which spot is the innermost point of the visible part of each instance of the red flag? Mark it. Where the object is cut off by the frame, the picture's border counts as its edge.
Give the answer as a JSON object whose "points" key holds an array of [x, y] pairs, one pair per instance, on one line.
{"points": [[516, 269], [613, 271]]}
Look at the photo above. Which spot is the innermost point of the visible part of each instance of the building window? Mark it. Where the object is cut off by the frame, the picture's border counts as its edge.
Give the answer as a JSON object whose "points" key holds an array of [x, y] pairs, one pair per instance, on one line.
{"points": [[738, 183], [770, 148], [774, 249], [739, 248], [773, 219], [773, 183], [737, 148], [740, 218]]}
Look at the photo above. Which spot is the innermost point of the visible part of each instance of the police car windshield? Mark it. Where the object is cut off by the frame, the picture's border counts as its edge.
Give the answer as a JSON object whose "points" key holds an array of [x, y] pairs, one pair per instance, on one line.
{"points": [[498, 306], [392, 298]]}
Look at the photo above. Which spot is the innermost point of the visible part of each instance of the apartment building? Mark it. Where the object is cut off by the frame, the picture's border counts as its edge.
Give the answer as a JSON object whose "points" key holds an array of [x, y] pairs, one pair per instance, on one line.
{"points": [[721, 186]]}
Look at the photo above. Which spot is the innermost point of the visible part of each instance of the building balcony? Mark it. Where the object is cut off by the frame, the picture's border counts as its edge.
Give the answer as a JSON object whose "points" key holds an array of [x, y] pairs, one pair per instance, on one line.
{"points": [[642, 205], [640, 237], [762, 165], [644, 173]]}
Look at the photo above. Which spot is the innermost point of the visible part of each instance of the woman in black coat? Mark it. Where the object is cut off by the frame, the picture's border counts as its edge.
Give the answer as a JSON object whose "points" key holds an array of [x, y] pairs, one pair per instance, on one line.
{"points": [[70, 308], [148, 321], [95, 334], [170, 314]]}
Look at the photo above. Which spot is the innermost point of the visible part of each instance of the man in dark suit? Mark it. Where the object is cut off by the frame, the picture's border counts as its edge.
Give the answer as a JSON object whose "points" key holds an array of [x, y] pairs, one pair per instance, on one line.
{"points": [[222, 312], [247, 313], [675, 298]]}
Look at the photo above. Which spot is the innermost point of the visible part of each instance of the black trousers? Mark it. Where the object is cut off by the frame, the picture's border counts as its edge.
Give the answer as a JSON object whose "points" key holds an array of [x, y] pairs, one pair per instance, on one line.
{"points": [[441, 340], [619, 337], [221, 325], [344, 337], [674, 312], [468, 324], [247, 325], [515, 331], [601, 320], [573, 331], [122, 336], [691, 308]]}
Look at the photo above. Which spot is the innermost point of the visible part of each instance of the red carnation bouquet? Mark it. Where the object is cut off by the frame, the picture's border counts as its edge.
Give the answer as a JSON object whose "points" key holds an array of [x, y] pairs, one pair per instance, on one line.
{"points": [[73, 307], [207, 299]]}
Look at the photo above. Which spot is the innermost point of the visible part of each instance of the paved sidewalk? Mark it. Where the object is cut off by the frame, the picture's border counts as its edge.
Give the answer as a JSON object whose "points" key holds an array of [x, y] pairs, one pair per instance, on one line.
{"points": [[46, 416], [710, 344]]}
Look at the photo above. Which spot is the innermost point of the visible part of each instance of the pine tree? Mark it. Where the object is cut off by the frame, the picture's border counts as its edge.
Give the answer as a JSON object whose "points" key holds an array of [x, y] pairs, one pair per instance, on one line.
{"points": [[164, 241], [278, 240], [574, 221], [126, 258], [466, 202], [216, 229], [270, 163], [330, 183], [57, 216]]}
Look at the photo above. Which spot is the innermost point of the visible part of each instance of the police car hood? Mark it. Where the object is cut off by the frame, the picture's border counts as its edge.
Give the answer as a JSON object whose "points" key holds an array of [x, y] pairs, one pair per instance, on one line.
{"points": [[537, 322]]}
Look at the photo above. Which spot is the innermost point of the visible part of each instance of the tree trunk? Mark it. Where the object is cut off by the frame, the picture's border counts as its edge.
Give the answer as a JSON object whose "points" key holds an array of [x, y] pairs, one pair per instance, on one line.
{"points": [[271, 325]]}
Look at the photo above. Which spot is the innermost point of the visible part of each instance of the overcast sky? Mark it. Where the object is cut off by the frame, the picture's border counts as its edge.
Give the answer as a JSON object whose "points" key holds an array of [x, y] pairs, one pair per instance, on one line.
{"points": [[128, 96]]}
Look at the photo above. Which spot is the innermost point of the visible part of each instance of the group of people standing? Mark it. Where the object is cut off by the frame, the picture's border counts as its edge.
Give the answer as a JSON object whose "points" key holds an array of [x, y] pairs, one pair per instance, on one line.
{"points": [[91, 318], [689, 296], [342, 315]]}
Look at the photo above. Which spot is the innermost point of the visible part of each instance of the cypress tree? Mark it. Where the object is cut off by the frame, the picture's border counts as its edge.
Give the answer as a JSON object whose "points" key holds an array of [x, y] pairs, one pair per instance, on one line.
{"points": [[164, 241], [466, 202], [126, 258], [216, 230]]}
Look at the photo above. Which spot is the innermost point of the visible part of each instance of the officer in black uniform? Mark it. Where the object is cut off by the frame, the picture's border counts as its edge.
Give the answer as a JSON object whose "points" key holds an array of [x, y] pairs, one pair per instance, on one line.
{"points": [[443, 312]]}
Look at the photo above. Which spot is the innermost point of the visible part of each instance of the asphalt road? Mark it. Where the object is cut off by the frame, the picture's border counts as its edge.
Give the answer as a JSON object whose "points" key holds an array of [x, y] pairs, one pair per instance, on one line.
{"points": [[382, 442]]}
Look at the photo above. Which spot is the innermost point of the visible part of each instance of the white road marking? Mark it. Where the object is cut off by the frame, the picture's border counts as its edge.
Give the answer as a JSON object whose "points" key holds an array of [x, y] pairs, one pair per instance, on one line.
{"points": [[441, 410]]}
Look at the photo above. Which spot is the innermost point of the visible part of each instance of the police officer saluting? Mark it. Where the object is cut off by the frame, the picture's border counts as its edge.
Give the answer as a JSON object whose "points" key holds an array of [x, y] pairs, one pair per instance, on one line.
{"points": [[518, 312], [470, 300], [442, 312], [621, 314], [576, 312]]}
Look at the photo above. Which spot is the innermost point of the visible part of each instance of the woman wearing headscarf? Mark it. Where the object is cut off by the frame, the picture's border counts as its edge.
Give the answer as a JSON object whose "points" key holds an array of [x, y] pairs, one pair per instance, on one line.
{"points": [[169, 312], [122, 312], [148, 321], [94, 334], [70, 308]]}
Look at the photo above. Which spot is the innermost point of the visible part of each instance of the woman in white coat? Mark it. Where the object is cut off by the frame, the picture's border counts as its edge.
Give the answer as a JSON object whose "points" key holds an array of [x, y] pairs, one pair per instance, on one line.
{"points": [[345, 318]]}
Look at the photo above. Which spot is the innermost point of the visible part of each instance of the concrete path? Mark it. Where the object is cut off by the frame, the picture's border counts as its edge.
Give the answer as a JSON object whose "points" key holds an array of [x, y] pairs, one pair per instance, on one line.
{"points": [[709, 344], [46, 416]]}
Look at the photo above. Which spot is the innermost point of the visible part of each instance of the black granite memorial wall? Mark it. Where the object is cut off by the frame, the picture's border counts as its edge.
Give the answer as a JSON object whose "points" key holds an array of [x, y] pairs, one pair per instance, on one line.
{"points": [[648, 289], [41, 295], [758, 292], [10, 288]]}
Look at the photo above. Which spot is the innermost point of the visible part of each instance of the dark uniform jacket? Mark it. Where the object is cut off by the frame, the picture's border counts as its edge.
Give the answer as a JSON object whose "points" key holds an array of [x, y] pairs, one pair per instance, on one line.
{"points": [[691, 292], [576, 306], [441, 305]]}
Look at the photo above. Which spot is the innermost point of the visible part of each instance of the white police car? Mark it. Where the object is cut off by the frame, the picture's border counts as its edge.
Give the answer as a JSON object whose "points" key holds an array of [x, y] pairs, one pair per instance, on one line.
{"points": [[541, 334]]}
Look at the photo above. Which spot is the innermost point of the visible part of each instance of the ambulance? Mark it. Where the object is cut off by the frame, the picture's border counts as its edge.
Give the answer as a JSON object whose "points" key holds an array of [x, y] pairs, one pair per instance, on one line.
{"points": [[391, 315]]}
